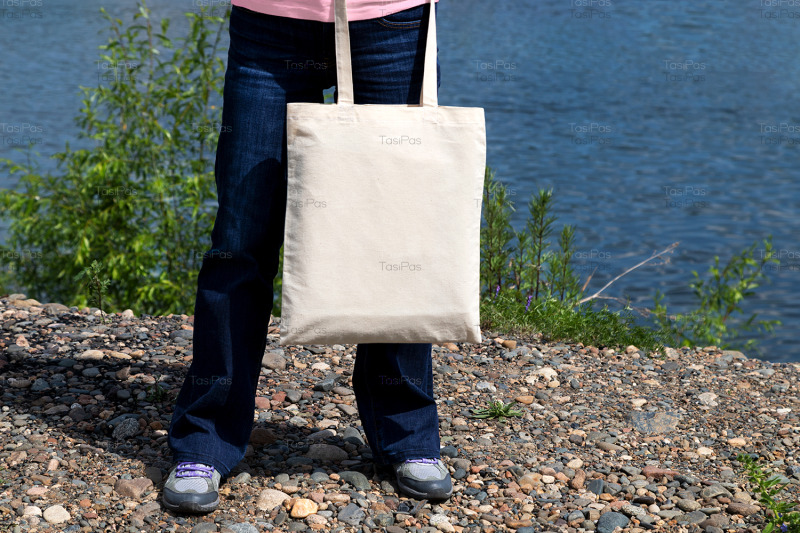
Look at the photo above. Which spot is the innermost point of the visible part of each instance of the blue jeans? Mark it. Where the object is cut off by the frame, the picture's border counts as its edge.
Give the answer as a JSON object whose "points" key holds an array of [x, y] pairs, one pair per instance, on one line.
{"points": [[272, 61]]}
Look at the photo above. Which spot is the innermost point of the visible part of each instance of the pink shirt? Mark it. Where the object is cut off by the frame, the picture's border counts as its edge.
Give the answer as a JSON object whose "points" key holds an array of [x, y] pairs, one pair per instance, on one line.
{"points": [[322, 10]]}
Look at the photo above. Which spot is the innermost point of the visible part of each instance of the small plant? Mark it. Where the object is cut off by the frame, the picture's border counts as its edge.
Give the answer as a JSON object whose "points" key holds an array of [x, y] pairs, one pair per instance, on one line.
{"points": [[156, 394], [96, 287], [496, 409], [768, 486], [2, 479]]}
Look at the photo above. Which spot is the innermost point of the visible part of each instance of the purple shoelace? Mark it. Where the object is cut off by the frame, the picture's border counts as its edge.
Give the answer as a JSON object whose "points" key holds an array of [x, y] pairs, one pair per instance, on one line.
{"points": [[422, 461], [186, 469]]}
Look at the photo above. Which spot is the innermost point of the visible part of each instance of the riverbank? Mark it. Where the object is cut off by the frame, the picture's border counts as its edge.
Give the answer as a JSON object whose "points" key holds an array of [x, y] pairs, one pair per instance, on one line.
{"points": [[607, 438]]}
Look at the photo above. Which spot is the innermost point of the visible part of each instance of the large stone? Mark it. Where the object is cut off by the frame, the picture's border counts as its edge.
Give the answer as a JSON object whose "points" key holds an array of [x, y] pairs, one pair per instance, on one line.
{"points": [[610, 521], [273, 361], [126, 429], [56, 514], [326, 452], [688, 505], [133, 488], [713, 491], [352, 514], [262, 436], [270, 499], [742, 508], [356, 479], [654, 422], [303, 507], [441, 522], [90, 355]]}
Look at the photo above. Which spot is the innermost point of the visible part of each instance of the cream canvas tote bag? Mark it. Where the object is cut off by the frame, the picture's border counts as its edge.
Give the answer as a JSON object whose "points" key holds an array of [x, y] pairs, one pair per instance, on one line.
{"points": [[382, 234]]}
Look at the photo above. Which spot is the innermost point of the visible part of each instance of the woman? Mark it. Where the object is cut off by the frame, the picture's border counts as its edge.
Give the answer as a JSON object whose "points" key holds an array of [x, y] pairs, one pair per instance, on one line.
{"points": [[283, 51]]}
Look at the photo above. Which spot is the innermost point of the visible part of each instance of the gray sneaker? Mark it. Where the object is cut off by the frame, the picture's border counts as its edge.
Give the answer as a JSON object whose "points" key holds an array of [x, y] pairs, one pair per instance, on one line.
{"points": [[192, 488], [426, 479]]}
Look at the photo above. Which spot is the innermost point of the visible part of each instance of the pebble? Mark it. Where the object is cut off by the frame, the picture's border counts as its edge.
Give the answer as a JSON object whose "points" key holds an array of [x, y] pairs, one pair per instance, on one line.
{"points": [[270, 498], [610, 521], [303, 507], [356, 479], [56, 514]]}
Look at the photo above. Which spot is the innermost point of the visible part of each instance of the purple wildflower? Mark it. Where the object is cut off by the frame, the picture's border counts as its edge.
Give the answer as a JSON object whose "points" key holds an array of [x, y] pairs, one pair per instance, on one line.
{"points": [[497, 291], [784, 527], [527, 305]]}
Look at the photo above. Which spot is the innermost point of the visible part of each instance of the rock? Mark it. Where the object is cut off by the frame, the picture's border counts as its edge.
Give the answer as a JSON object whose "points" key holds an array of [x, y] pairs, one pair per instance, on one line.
{"points": [[270, 499], [56, 514], [596, 486], [638, 402], [133, 488], [687, 505], [326, 452], [670, 514], [509, 344], [609, 447], [303, 507], [242, 527], [356, 479], [716, 520], [578, 480], [654, 471], [707, 398], [742, 508], [91, 355], [126, 429], [654, 422], [351, 514], [262, 436], [294, 396], [633, 510], [273, 361], [153, 474], [737, 442], [525, 399], [713, 491], [31, 510], [610, 521], [325, 385], [705, 451], [695, 517], [441, 522]]}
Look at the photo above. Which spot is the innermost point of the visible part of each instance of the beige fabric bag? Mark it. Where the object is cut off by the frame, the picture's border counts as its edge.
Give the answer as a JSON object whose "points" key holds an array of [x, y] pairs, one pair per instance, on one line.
{"points": [[382, 238]]}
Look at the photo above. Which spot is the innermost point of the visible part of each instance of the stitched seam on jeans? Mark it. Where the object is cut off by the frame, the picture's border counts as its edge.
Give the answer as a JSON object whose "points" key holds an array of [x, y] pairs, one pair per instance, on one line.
{"points": [[399, 25]]}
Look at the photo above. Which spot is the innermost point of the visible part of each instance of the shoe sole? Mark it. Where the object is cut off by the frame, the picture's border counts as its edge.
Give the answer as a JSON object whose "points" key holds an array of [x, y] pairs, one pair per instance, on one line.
{"points": [[188, 506], [423, 495]]}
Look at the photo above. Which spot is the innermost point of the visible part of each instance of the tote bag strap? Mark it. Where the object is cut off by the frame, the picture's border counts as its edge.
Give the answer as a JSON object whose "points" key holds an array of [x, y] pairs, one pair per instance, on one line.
{"points": [[344, 68]]}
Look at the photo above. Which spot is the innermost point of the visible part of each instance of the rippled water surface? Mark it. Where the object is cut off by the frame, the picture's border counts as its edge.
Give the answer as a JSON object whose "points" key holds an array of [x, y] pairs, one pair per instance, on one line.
{"points": [[653, 122]]}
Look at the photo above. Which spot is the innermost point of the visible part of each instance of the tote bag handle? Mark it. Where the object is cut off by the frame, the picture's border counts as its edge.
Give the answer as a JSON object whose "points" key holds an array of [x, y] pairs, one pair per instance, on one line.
{"points": [[344, 69]]}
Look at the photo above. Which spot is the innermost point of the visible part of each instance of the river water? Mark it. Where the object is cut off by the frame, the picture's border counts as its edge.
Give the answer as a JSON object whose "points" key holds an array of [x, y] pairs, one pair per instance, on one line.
{"points": [[653, 122]]}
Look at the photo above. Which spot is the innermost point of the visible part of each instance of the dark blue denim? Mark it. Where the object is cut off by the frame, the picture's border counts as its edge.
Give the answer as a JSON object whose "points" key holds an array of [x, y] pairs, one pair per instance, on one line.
{"points": [[271, 61]]}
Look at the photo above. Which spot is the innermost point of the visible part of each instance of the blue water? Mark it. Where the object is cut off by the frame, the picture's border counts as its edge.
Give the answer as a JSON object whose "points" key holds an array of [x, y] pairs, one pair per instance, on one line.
{"points": [[651, 121]]}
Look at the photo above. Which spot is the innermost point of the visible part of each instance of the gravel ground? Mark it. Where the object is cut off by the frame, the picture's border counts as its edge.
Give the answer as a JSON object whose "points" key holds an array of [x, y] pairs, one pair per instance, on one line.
{"points": [[607, 439]]}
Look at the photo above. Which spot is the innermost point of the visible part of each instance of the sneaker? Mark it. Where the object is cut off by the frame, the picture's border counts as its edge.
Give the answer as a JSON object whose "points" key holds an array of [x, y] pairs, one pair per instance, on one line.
{"points": [[426, 479], [192, 488]]}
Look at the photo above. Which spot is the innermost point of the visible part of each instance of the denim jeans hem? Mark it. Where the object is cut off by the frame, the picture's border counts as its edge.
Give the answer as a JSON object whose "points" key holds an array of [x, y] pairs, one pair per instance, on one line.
{"points": [[394, 458], [204, 459]]}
